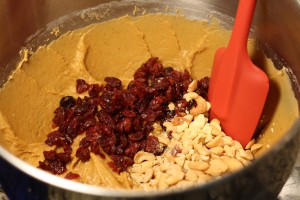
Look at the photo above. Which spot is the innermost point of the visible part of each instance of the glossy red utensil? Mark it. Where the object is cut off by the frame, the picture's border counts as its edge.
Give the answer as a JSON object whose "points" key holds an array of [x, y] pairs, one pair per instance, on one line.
{"points": [[238, 89]]}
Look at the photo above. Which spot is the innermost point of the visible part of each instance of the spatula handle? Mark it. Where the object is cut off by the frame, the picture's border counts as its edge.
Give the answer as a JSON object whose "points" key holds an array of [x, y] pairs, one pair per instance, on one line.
{"points": [[240, 33]]}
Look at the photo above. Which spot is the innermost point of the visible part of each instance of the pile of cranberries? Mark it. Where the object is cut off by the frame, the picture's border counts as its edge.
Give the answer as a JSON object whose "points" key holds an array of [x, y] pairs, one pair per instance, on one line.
{"points": [[117, 120]]}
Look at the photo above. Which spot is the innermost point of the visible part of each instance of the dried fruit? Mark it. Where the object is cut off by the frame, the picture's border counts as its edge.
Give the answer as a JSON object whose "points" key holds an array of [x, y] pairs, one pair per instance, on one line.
{"points": [[116, 120]]}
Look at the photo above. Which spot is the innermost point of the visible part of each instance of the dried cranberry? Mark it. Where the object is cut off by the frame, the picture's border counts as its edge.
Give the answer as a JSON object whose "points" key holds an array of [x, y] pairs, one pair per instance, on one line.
{"points": [[57, 167], [125, 125], [54, 138], [95, 89], [63, 157], [81, 86], [135, 136], [83, 154], [72, 175], [50, 155], [175, 150], [152, 145], [113, 82], [67, 102], [202, 87], [155, 104], [161, 83]]}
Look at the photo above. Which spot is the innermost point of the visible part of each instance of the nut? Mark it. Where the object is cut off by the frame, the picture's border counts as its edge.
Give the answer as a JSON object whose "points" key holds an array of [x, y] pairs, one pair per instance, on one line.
{"points": [[207, 129], [215, 131], [190, 175], [148, 175], [217, 150], [181, 128], [237, 145], [164, 140], [198, 123], [229, 151], [198, 165], [171, 106], [248, 146], [169, 126], [227, 141], [142, 156], [197, 151], [200, 108], [255, 147], [141, 168], [202, 150], [161, 184], [217, 141], [192, 86], [216, 167], [172, 179], [233, 164], [190, 96], [180, 160], [246, 154]]}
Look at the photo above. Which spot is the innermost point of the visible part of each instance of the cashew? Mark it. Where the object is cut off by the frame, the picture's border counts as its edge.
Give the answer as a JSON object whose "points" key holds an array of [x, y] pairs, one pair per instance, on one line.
{"points": [[143, 156], [169, 126], [205, 158], [141, 168], [192, 86], [190, 96], [148, 175], [216, 167], [181, 128], [217, 150], [202, 150], [237, 145], [171, 106], [215, 131], [197, 151], [217, 141], [164, 165], [177, 121], [200, 108], [229, 151], [246, 154], [184, 184], [180, 159], [162, 185], [190, 175], [198, 123], [255, 147], [137, 177], [164, 140], [227, 141], [198, 165], [174, 178], [207, 129], [215, 122], [248, 146], [233, 164]]}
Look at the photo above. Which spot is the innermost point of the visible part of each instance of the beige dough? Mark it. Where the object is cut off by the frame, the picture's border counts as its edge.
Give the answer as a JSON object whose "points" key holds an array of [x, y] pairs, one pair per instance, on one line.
{"points": [[117, 48]]}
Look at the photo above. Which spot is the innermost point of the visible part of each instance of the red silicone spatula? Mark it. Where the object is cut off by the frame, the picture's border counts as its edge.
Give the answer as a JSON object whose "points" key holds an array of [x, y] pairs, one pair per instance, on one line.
{"points": [[238, 89]]}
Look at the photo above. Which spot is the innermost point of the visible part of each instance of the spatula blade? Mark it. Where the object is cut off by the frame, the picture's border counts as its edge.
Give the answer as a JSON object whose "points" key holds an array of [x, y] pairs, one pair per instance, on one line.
{"points": [[238, 91]]}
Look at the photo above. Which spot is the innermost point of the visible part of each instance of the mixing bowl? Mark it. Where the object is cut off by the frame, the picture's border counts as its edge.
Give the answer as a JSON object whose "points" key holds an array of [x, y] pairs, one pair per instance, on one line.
{"points": [[275, 25]]}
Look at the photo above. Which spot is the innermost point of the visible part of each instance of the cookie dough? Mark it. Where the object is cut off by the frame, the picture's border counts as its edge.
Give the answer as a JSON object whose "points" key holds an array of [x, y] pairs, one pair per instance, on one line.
{"points": [[117, 48]]}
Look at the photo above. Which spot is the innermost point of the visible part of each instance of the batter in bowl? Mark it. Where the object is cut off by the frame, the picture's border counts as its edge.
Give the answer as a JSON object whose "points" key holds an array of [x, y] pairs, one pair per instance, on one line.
{"points": [[118, 48]]}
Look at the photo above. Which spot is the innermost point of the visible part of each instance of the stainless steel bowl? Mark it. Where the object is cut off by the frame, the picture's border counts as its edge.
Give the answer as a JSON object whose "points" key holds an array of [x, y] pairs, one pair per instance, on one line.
{"points": [[30, 22]]}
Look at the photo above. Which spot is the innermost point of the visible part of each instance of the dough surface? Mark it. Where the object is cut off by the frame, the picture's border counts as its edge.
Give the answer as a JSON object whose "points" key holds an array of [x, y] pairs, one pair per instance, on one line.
{"points": [[117, 48]]}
